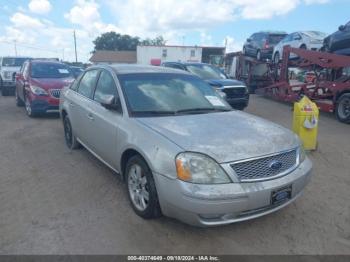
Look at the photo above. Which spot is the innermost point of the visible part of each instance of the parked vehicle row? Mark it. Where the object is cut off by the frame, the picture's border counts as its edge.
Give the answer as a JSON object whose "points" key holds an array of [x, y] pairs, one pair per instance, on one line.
{"points": [[269, 45], [181, 149]]}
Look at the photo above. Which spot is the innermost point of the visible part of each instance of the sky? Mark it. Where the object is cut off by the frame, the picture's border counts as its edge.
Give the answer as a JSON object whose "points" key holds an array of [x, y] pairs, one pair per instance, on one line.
{"points": [[44, 28]]}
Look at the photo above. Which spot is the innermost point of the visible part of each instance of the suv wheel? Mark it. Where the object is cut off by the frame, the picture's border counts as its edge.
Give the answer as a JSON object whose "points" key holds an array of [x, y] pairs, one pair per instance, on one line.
{"points": [[343, 108], [258, 55], [28, 107], [141, 188], [71, 140], [19, 101]]}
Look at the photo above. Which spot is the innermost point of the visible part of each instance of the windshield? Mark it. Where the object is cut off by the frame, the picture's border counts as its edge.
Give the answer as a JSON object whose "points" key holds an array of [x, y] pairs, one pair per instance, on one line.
{"points": [[206, 71], [13, 61], [274, 39], [50, 70], [315, 34], [169, 94]]}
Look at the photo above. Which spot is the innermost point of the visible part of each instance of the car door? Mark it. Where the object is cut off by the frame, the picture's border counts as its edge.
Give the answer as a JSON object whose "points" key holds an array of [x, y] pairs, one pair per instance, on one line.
{"points": [[80, 101], [103, 127]]}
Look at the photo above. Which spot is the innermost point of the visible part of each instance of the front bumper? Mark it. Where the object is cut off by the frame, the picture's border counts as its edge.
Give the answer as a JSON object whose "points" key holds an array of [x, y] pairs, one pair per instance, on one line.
{"points": [[44, 104], [8, 84], [238, 103], [212, 205]]}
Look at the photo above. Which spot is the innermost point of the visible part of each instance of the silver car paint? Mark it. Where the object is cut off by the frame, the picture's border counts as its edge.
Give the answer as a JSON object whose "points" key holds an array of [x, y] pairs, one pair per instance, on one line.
{"points": [[226, 137]]}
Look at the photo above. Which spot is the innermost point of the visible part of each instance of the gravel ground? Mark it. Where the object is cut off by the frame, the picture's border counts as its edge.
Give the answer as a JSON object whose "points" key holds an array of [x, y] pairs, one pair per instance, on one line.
{"points": [[54, 201]]}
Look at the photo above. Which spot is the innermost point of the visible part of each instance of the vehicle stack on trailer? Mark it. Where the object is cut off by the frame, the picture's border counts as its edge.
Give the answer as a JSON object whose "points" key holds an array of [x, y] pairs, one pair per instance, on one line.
{"points": [[330, 90]]}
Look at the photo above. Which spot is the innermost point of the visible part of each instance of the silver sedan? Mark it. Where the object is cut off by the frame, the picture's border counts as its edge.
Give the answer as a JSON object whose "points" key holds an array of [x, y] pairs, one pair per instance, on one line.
{"points": [[181, 149]]}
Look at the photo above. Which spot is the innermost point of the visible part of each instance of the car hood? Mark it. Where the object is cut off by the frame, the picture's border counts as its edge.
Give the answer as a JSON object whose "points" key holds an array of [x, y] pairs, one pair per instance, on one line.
{"points": [[224, 82], [51, 83], [226, 136], [13, 69]]}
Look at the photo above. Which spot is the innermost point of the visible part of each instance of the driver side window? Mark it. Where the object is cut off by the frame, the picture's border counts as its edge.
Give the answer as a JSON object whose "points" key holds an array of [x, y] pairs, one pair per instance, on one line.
{"points": [[105, 86]]}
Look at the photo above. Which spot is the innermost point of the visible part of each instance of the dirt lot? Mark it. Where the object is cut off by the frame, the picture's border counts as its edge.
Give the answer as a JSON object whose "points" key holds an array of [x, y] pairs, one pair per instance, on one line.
{"points": [[54, 201]]}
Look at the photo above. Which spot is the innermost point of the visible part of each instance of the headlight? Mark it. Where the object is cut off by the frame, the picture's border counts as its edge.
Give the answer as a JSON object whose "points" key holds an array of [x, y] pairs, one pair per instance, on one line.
{"points": [[199, 168], [38, 90], [302, 154]]}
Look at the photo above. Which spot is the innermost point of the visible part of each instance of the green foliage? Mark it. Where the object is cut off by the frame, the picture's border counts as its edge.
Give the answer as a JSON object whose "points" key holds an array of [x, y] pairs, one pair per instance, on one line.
{"points": [[117, 42]]}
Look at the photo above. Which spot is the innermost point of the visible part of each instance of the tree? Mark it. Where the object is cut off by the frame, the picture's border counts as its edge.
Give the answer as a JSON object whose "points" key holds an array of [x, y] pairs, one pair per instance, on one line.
{"points": [[159, 40], [117, 42]]}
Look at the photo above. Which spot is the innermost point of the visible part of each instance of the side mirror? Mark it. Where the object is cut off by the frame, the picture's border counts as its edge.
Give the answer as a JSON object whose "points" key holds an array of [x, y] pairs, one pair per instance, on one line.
{"points": [[110, 102], [341, 28], [249, 40], [222, 94]]}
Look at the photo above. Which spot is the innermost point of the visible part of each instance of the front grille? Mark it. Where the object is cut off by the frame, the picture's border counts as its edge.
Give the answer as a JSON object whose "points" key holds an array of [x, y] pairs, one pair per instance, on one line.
{"points": [[55, 93], [266, 167], [234, 92]]}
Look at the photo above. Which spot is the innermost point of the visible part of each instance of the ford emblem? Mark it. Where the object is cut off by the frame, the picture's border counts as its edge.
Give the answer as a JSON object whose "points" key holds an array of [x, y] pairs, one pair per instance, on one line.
{"points": [[275, 165]]}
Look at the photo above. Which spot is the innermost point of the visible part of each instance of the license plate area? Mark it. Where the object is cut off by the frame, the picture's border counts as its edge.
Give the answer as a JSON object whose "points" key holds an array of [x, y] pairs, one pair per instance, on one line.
{"points": [[281, 195]]}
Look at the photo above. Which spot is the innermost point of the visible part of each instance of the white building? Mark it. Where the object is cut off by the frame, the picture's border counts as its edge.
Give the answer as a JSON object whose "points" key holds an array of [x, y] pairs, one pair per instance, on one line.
{"points": [[155, 55]]}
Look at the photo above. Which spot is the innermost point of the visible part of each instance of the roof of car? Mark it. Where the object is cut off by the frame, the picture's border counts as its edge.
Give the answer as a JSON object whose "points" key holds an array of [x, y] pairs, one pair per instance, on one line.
{"points": [[45, 61], [132, 68], [186, 63], [273, 32]]}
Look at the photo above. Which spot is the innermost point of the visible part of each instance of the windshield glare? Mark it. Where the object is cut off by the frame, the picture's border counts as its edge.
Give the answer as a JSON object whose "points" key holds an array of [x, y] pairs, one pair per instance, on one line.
{"points": [[50, 70], [206, 71], [169, 93], [8, 61]]}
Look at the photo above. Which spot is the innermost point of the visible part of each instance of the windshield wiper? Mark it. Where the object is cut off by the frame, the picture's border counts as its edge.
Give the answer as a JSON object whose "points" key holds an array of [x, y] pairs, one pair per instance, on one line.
{"points": [[202, 110], [154, 112]]}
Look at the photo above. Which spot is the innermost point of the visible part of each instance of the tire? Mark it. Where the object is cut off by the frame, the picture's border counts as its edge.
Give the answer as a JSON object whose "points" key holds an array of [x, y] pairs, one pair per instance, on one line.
{"points": [[258, 55], [303, 46], [5, 91], [29, 108], [70, 139], [276, 58], [342, 110], [19, 101], [141, 188]]}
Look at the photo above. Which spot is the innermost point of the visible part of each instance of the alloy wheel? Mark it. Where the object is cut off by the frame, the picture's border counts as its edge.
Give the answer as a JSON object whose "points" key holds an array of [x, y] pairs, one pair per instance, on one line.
{"points": [[138, 187]]}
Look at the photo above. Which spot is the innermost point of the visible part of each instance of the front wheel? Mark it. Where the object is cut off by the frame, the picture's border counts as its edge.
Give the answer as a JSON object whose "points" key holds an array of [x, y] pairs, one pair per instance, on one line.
{"points": [[343, 108], [141, 188], [5, 91], [19, 101], [29, 108]]}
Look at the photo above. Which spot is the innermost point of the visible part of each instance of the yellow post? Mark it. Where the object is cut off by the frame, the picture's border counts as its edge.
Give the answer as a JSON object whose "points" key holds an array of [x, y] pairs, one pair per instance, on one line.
{"points": [[305, 122]]}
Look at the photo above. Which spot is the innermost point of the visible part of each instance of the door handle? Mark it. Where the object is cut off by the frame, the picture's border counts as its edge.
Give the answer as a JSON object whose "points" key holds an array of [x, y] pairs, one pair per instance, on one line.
{"points": [[90, 116]]}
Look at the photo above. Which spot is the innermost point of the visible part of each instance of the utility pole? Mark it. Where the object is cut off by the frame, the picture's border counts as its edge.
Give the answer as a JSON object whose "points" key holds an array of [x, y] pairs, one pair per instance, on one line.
{"points": [[15, 42], [75, 47]]}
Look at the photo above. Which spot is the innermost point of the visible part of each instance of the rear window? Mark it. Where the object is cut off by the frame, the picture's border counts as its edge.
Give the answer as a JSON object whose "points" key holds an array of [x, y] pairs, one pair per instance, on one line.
{"points": [[50, 70], [274, 39]]}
